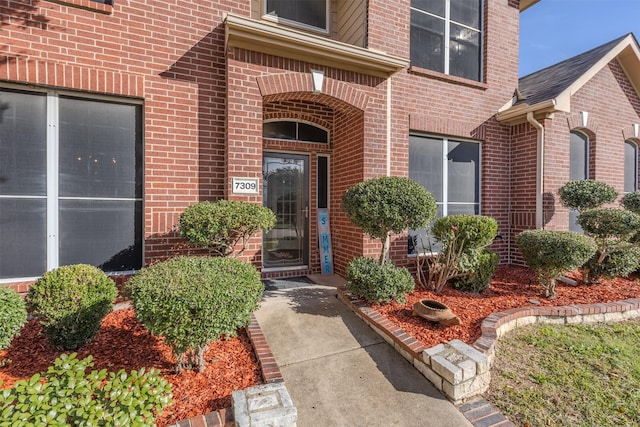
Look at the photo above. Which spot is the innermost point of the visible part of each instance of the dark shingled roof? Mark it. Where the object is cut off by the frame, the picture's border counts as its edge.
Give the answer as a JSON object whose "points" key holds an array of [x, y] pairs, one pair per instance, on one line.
{"points": [[550, 82]]}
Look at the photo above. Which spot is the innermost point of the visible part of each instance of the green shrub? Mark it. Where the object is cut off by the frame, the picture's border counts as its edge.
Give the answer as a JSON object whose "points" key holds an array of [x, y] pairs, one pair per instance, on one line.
{"points": [[552, 253], [613, 230], [389, 203], [631, 202], [586, 194], [67, 395], [462, 238], [479, 274], [72, 301], [13, 315], [618, 263], [220, 226], [192, 301], [378, 283]]}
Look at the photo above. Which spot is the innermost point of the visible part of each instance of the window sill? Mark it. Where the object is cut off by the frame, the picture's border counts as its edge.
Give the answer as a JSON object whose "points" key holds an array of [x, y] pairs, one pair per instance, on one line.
{"points": [[93, 6], [447, 78]]}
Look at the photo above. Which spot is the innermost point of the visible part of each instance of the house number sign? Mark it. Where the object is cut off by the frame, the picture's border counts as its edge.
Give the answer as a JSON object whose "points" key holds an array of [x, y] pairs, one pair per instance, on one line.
{"points": [[245, 186]]}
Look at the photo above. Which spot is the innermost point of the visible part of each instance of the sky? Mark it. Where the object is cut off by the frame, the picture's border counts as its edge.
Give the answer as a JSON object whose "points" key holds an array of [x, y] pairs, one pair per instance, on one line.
{"points": [[554, 30]]}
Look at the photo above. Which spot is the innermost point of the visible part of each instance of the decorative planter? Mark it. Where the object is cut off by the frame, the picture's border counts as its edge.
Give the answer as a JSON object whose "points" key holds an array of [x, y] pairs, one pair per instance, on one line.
{"points": [[435, 311]]}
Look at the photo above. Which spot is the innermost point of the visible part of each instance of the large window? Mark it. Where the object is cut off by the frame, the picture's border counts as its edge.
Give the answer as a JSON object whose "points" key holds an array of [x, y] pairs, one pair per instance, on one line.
{"points": [[450, 170], [70, 183], [578, 169], [446, 36], [312, 14], [630, 167]]}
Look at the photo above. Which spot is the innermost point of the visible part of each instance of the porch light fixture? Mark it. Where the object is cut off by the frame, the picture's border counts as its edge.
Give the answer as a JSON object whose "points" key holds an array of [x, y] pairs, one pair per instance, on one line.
{"points": [[318, 79], [636, 130]]}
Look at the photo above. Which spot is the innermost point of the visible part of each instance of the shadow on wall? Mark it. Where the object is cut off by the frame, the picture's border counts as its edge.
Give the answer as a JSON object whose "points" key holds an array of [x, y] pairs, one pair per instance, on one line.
{"points": [[548, 207], [204, 65], [24, 15]]}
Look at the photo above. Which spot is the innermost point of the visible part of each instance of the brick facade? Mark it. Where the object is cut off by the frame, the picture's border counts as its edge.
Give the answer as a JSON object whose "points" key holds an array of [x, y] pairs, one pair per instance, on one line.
{"points": [[205, 102]]}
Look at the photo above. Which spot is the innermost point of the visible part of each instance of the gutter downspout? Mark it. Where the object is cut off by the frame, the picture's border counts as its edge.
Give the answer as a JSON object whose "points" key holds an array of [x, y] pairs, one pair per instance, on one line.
{"points": [[387, 243], [539, 168]]}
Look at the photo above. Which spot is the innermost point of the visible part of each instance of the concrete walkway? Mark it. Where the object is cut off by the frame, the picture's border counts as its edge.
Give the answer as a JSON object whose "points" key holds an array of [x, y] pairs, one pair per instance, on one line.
{"points": [[338, 371]]}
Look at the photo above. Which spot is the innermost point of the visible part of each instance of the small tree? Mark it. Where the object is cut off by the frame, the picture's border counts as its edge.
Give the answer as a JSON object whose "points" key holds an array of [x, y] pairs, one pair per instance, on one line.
{"points": [[388, 204], [550, 254], [220, 226], [585, 194], [193, 301], [463, 237]]}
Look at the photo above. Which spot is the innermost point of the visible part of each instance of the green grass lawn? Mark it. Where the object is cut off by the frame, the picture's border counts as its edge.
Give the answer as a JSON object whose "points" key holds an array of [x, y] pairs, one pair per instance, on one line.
{"points": [[549, 375]]}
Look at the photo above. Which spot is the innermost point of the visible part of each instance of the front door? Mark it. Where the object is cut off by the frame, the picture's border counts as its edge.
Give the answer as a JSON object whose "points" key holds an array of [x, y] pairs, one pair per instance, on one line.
{"points": [[286, 192]]}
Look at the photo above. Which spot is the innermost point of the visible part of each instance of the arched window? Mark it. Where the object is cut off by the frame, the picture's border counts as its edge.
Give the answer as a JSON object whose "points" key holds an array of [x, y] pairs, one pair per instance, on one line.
{"points": [[630, 167], [295, 130], [578, 168]]}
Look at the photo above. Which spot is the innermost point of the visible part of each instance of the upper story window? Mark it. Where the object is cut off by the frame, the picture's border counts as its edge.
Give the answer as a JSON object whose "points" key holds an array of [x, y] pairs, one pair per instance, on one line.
{"points": [[311, 14], [295, 131], [630, 167], [446, 36]]}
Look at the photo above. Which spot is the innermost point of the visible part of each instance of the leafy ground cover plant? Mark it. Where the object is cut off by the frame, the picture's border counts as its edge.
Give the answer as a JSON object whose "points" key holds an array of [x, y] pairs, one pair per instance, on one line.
{"points": [[221, 226], [71, 300], [378, 283], [569, 375], [69, 395], [550, 254], [13, 315], [463, 237], [388, 204], [192, 301]]}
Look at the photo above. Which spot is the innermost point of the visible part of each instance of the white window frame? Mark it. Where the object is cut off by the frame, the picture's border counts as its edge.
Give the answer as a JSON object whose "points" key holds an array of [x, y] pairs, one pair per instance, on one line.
{"points": [[444, 146], [52, 167], [293, 23], [447, 34]]}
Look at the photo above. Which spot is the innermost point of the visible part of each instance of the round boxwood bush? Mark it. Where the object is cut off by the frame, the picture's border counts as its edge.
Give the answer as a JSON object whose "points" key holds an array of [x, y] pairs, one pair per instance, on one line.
{"points": [[552, 253], [479, 273], [465, 232], [631, 202], [388, 203], [220, 226], [71, 300], [193, 301], [376, 282], [586, 194], [13, 315]]}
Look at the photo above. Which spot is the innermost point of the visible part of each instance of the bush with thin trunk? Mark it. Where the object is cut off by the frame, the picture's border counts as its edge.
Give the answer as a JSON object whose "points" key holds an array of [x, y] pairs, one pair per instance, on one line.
{"points": [[550, 254], [193, 301], [388, 204]]}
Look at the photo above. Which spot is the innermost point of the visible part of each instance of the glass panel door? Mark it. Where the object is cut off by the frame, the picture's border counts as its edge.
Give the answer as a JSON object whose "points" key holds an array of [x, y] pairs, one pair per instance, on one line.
{"points": [[286, 192]]}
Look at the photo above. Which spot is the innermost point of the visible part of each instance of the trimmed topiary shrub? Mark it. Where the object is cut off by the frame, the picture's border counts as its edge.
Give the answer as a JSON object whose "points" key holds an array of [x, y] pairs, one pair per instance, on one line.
{"points": [[192, 301], [552, 253], [586, 194], [66, 395], [388, 203], [72, 301], [631, 202], [220, 226], [378, 283], [13, 315], [613, 230], [462, 238], [479, 274]]}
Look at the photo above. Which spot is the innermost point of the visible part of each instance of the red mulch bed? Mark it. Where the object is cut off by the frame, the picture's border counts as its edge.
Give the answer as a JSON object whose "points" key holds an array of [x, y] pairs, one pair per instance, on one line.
{"points": [[122, 343], [511, 287]]}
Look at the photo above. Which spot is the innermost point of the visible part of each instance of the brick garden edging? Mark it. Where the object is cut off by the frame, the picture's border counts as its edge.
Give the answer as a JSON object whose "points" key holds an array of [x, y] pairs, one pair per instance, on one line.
{"points": [[477, 410], [270, 374]]}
